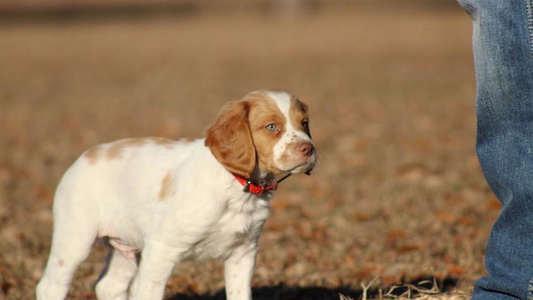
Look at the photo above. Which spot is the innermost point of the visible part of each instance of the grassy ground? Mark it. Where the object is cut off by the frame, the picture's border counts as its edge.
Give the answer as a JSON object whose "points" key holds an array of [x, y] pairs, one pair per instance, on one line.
{"points": [[398, 196]]}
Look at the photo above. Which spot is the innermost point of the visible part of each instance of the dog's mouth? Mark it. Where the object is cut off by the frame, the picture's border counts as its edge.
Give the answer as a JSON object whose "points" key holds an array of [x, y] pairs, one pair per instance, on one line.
{"points": [[305, 167], [296, 165], [308, 171]]}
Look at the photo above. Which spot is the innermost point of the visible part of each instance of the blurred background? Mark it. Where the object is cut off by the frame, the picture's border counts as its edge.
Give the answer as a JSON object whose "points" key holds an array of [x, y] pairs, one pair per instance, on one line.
{"points": [[398, 196]]}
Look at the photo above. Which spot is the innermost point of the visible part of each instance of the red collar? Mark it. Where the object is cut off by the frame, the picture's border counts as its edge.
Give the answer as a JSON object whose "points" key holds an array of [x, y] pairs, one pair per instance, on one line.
{"points": [[254, 188]]}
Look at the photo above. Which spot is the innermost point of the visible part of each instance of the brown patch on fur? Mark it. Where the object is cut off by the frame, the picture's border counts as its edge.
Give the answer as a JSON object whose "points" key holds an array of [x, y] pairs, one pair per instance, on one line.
{"points": [[116, 149], [162, 141], [297, 114], [93, 154], [186, 140], [167, 186], [265, 111], [230, 139]]}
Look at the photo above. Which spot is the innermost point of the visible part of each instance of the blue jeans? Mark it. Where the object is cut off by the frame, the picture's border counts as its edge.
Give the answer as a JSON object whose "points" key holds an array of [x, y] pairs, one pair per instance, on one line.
{"points": [[503, 59]]}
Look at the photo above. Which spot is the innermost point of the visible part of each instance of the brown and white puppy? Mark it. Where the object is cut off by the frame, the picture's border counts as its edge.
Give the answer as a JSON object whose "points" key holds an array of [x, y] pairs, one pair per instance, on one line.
{"points": [[159, 202]]}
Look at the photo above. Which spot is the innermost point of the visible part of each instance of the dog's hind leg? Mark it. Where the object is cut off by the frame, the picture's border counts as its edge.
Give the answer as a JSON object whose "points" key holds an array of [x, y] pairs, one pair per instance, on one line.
{"points": [[75, 229], [115, 279], [69, 248]]}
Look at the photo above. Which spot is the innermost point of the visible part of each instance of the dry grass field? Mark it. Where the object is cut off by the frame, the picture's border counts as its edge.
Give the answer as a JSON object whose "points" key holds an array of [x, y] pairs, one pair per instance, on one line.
{"points": [[397, 199]]}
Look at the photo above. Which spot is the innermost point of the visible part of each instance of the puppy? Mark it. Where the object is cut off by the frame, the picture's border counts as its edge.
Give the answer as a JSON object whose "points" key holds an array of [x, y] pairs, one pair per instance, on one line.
{"points": [[158, 202]]}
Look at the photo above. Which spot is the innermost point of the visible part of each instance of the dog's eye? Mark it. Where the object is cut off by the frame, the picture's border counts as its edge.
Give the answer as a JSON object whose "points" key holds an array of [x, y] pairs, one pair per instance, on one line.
{"points": [[305, 125], [271, 127]]}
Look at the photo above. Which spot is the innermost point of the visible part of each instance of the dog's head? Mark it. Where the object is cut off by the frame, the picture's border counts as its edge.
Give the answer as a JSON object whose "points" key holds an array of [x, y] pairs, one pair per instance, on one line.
{"points": [[265, 133]]}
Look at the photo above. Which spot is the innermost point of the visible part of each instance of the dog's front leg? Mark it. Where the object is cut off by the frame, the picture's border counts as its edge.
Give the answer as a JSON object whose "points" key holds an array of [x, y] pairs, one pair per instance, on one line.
{"points": [[239, 269], [157, 262]]}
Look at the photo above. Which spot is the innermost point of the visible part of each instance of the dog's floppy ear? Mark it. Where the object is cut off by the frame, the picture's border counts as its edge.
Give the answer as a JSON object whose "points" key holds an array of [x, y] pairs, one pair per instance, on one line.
{"points": [[230, 139]]}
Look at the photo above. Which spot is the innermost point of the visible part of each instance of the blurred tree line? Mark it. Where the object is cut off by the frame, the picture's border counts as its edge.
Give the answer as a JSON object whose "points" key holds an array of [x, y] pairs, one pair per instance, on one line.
{"points": [[60, 10]]}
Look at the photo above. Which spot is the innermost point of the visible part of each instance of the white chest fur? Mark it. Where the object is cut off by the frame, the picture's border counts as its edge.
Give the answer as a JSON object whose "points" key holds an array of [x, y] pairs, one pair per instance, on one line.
{"points": [[240, 224]]}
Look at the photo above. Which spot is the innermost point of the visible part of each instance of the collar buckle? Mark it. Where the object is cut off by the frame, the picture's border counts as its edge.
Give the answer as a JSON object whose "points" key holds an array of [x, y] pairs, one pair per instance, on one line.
{"points": [[258, 189], [246, 187]]}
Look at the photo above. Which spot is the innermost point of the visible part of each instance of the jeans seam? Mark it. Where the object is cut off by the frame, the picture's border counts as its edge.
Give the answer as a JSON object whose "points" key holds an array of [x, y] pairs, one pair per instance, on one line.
{"points": [[529, 7]]}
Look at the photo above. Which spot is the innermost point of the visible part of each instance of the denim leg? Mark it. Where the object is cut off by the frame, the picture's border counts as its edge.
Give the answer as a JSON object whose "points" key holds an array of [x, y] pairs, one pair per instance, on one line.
{"points": [[504, 74]]}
